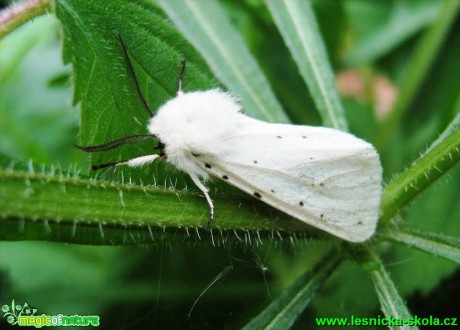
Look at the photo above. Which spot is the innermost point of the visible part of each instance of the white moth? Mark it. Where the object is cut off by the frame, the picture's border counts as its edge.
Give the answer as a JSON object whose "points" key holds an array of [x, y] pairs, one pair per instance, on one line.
{"points": [[322, 176]]}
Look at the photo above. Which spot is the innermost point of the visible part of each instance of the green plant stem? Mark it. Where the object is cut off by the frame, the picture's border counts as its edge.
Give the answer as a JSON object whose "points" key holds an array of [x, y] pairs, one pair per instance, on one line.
{"points": [[285, 310], [424, 171], [297, 23], [433, 243], [72, 201], [419, 66], [390, 301], [19, 13], [207, 26], [451, 128]]}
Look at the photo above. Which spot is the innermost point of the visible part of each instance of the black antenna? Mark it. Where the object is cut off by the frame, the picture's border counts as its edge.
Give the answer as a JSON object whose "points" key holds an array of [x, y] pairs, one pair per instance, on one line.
{"points": [[134, 78], [116, 143], [181, 75]]}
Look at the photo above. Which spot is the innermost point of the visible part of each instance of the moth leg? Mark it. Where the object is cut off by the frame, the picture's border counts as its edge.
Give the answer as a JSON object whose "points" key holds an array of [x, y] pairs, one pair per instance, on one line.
{"points": [[139, 161], [201, 186]]}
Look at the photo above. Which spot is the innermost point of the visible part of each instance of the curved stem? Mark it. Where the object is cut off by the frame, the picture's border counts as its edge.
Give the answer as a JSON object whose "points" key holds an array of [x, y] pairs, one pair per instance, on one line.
{"points": [[20, 13], [420, 175]]}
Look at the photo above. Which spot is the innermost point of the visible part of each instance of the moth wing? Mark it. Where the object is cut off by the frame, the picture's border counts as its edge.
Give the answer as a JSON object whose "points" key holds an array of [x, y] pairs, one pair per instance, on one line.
{"points": [[324, 177]]}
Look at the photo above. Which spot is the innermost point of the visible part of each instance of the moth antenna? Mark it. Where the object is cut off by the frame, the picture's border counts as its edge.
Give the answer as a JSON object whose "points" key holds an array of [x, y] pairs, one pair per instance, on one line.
{"points": [[133, 76], [116, 143], [179, 79]]}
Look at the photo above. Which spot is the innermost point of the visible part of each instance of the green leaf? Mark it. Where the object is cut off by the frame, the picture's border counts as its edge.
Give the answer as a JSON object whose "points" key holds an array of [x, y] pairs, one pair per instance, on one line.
{"points": [[297, 23], [39, 203], [419, 65], [436, 244], [391, 302], [389, 24], [207, 27], [110, 107], [284, 311], [424, 171], [40, 126]]}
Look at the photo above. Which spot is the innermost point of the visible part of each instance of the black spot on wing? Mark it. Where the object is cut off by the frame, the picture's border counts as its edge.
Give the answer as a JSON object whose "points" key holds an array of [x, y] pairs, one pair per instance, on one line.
{"points": [[279, 136], [224, 177], [257, 194], [207, 165], [300, 203], [194, 154], [255, 161]]}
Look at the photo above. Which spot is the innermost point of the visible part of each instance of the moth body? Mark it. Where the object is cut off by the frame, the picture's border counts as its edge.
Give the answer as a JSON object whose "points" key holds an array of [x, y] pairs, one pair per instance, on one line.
{"points": [[325, 177], [196, 123]]}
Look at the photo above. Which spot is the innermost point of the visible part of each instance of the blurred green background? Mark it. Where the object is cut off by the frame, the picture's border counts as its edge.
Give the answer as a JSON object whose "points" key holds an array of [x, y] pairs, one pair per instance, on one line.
{"points": [[154, 286]]}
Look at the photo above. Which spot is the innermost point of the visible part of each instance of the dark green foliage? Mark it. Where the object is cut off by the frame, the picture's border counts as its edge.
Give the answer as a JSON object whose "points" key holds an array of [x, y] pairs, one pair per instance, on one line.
{"points": [[257, 264]]}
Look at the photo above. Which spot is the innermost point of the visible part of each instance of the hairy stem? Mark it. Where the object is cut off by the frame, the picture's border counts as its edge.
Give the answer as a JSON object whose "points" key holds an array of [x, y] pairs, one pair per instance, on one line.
{"points": [[424, 171], [59, 205], [19, 13]]}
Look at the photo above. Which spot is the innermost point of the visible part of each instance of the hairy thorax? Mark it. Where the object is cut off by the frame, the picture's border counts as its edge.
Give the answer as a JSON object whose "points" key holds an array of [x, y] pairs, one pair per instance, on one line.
{"points": [[196, 123]]}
